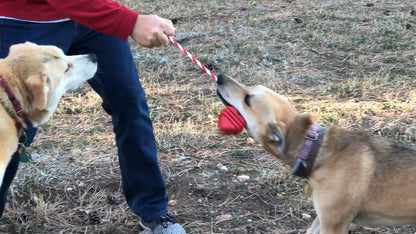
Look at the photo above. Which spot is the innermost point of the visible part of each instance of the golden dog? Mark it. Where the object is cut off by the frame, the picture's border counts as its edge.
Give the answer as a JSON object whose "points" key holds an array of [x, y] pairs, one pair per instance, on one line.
{"points": [[33, 79], [367, 180]]}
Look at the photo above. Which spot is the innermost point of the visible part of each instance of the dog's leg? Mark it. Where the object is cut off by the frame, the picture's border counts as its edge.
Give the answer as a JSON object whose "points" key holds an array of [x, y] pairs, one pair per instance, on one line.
{"points": [[5, 156], [341, 228], [4, 161], [334, 210], [8, 140], [333, 220], [314, 229], [331, 229]]}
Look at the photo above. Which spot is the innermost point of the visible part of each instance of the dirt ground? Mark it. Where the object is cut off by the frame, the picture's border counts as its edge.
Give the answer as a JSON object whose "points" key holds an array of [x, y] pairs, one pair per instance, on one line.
{"points": [[351, 63]]}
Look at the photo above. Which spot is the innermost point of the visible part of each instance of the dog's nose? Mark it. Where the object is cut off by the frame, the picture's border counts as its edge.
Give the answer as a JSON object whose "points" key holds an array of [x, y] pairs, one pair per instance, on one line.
{"points": [[221, 79], [92, 57]]}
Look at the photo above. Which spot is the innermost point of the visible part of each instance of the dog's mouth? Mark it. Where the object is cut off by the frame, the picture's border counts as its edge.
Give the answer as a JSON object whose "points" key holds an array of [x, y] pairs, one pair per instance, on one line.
{"points": [[223, 99]]}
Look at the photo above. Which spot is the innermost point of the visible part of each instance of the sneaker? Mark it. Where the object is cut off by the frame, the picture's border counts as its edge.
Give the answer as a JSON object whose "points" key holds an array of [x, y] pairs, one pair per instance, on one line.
{"points": [[166, 224]]}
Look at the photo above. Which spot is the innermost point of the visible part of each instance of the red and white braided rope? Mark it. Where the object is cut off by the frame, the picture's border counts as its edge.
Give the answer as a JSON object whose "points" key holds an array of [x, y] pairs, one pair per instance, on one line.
{"points": [[193, 58]]}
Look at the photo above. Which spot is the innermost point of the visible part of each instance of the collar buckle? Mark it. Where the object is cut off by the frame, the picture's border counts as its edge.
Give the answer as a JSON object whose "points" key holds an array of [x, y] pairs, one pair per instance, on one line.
{"points": [[312, 135], [301, 168]]}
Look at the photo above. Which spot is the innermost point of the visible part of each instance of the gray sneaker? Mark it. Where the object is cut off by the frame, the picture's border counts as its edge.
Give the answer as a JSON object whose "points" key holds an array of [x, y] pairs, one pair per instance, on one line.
{"points": [[165, 224]]}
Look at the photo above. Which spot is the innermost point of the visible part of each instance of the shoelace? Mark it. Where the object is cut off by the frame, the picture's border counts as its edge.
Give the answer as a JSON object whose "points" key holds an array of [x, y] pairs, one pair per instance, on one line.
{"points": [[166, 219]]}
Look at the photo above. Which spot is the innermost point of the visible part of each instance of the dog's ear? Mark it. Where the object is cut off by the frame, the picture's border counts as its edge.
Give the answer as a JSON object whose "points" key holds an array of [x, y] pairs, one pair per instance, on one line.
{"points": [[297, 131], [276, 138], [37, 87], [301, 124], [287, 140]]}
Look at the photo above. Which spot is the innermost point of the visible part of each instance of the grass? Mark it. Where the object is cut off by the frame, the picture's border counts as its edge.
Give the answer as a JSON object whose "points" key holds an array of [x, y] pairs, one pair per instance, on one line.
{"points": [[350, 63]]}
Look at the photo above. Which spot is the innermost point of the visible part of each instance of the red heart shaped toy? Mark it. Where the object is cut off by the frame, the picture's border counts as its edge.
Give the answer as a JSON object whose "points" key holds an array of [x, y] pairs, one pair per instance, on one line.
{"points": [[230, 121]]}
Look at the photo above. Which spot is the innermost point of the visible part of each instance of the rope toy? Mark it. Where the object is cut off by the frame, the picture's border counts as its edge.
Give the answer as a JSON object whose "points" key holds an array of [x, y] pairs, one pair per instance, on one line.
{"points": [[230, 121]]}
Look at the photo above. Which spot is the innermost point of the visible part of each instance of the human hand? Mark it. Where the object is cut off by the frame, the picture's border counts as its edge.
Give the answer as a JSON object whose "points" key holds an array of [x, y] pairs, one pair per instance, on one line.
{"points": [[152, 31]]}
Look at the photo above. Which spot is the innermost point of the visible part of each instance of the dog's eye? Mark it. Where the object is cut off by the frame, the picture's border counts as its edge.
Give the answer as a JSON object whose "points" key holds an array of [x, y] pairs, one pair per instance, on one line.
{"points": [[247, 99], [69, 65]]}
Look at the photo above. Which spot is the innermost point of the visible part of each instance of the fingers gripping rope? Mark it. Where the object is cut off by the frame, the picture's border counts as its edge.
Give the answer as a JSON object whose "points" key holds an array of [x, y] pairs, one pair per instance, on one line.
{"points": [[193, 58]]}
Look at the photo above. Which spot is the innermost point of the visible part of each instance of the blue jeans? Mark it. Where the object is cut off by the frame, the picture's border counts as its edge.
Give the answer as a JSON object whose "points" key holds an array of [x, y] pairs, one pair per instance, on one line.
{"points": [[117, 82]]}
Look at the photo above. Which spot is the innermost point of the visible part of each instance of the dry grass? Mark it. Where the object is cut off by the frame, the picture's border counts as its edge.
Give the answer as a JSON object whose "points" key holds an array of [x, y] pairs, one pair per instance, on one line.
{"points": [[351, 63]]}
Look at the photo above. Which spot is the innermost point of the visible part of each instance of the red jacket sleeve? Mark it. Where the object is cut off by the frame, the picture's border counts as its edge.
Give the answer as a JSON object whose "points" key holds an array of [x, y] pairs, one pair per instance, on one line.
{"points": [[106, 16]]}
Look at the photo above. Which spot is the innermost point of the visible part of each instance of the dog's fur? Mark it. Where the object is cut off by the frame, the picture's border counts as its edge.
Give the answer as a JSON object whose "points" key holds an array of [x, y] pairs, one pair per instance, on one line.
{"points": [[367, 180], [38, 77]]}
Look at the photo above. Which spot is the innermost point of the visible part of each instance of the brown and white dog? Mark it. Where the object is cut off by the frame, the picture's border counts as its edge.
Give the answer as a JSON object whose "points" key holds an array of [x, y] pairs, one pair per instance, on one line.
{"points": [[359, 178], [33, 79]]}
